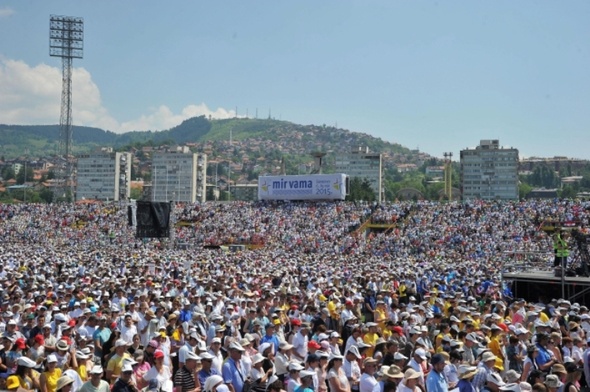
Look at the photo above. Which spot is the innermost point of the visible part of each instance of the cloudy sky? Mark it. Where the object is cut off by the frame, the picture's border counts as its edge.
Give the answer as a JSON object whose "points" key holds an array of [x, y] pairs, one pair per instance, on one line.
{"points": [[433, 75]]}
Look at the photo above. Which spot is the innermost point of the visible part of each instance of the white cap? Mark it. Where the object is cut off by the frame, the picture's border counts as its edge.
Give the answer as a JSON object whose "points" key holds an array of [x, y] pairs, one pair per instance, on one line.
{"points": [[120, 343], [96, 369], [421, 353], [295, 366], [126, 367], [399, 356], [206, 355]]}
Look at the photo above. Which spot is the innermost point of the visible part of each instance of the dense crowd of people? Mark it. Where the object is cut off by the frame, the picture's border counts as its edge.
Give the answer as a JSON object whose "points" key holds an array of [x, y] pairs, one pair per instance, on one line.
{"points": [[319, 303]]}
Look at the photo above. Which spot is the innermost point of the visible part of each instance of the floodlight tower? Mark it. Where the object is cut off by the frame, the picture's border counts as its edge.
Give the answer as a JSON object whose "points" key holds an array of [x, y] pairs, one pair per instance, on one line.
{"points": [[66, 40], [448, 175]]}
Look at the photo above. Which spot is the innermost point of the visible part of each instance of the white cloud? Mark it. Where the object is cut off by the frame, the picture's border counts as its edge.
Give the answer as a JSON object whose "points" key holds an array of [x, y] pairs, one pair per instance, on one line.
{"points": [[5, 12], [163, 118], [32, 96]]}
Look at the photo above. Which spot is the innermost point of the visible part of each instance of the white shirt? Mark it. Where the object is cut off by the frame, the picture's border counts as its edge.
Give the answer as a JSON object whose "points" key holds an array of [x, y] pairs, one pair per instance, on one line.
{"points": [[351, 369], [127, 333], [368, 383], [300, 345], [165, 378], [282, 363], [217, 362]]}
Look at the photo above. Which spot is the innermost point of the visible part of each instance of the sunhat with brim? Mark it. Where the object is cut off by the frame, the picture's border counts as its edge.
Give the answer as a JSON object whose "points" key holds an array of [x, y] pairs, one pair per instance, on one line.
{"points": [[258, 357], [512, 387], [394, 372], [488, 356], [511, 376], [558, 368], [411, 374], [244, 342], [466, 372], [211, 382], [62, 345], [552, 381], [496, 379], [63, 381]]}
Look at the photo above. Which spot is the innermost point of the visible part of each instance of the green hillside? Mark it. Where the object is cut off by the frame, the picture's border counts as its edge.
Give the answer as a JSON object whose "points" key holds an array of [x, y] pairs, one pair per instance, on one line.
{"points": [[43, 140]]}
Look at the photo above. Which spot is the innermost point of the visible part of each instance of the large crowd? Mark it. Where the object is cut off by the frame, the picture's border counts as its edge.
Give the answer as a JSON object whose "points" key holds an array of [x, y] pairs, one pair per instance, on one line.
{"points": [[316, 302]]}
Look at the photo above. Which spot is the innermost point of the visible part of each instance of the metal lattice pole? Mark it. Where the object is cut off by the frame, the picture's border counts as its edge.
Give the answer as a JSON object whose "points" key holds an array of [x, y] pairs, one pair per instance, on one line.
{"points": [[66, 40], [65, 122]]}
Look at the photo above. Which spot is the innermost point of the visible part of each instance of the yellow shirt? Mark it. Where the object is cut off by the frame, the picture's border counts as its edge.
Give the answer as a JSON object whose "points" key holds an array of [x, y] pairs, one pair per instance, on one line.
{"points": [[402, 290], [82, 371], [387, 333], [476, 323], [495, 346], [116, 363], [370, 338], [380, 318], [52, 379], [332, 308]]}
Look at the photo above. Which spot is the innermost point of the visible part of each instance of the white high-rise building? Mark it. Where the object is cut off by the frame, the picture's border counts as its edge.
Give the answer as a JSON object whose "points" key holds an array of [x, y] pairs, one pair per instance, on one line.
{"points": [[365, 165], [104, 175], [489, 172], [179, 175]]}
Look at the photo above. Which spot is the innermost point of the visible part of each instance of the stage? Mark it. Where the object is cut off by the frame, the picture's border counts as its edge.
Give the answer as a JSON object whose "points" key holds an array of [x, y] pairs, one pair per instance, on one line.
{"points": [[542, 286]]}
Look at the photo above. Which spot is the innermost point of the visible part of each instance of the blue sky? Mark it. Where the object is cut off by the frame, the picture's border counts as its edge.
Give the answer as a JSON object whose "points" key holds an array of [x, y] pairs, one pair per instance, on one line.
{"points": [[439, 76]]}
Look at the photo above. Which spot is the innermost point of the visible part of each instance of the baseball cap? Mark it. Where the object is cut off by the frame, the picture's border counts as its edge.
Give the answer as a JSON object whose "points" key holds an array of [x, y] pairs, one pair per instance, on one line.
{"points": [[421, 353]]}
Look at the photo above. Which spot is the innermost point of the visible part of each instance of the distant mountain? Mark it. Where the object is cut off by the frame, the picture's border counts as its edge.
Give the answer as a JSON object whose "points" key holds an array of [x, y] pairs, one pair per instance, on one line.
{"points": [[282, 137]]}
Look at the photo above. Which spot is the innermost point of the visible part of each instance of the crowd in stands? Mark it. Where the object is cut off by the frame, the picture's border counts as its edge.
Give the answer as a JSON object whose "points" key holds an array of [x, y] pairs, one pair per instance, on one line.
{"points": [[319, 304]]}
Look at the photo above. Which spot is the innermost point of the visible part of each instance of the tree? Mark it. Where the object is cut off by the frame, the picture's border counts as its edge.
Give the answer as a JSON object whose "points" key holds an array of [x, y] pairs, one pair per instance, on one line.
{"points": [[135, 193], [46, 195], [20, 177], [524, 189], [568, 192], [360, 189], [544, 176], [8, 173]]}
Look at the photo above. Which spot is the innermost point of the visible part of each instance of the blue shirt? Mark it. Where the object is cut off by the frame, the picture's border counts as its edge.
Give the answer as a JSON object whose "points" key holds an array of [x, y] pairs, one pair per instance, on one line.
{"points": [[465, 386], [203, 375], [543, 356], [231, 374], [186, 315], [436, 382], [103, 335], [271, 339]]}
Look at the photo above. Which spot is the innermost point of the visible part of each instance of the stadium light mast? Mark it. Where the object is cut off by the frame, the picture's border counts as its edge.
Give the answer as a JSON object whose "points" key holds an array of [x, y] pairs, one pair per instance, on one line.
{"points": [[448, 171], [66, 40]]}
